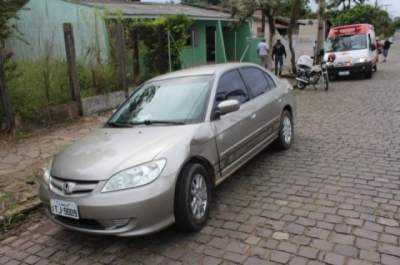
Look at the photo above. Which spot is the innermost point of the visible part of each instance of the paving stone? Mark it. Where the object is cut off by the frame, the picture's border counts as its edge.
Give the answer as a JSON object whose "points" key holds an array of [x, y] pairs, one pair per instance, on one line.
{"points": [[317, 233], [335, 259], [365, 233], [235, 257], [295, 229], [322, 245], [366, 244], [288, 247], [280, 256], [389, 260], [370, 256], [343, 239], [280, 236], [253, 240], [352, 261], [255, 261], [298, 261], [373, 227], [211, 261], [308, 252], [389, 249], [237, 247], [346, 250], [388, 222]]}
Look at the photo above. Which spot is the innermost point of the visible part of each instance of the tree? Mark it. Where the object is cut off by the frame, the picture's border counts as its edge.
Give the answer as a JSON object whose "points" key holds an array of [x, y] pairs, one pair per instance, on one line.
{"points": [[294, 16], [365, 13], [8, 10], [346, 4], [269, 8]]}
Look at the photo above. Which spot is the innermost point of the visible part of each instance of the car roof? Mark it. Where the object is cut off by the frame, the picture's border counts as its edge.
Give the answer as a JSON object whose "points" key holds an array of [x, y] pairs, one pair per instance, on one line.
{"points": [[211, 69]]}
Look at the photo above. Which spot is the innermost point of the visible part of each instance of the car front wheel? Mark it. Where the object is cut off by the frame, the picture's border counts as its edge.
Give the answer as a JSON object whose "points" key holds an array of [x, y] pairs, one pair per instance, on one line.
{"points": [[192, 198]]}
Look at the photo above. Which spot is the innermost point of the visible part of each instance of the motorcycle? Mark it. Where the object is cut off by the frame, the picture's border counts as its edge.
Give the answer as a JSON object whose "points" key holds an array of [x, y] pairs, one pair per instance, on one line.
{"points": [[310, 74]]}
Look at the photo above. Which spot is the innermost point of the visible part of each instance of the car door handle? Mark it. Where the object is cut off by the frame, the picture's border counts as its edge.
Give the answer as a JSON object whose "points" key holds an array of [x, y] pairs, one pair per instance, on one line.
{"points": [[253, 116]]}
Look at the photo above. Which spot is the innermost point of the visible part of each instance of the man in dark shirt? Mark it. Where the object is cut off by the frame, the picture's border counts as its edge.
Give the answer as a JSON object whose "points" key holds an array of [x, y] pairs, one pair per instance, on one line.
{"points": [[386, 47], [277, 55]]}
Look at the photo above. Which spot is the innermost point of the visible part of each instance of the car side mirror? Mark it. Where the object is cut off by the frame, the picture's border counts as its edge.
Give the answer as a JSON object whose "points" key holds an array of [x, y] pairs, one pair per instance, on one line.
{"points": [[227, 106], [373, 46]]}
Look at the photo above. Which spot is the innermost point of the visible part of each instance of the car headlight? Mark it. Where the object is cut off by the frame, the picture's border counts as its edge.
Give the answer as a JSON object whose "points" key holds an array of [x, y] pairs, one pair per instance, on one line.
{"points": [[135, 176], [363, 60], [46, 173]]}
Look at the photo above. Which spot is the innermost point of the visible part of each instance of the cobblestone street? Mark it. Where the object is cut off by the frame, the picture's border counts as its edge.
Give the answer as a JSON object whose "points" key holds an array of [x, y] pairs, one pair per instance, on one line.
{"points": [[333, 198]]}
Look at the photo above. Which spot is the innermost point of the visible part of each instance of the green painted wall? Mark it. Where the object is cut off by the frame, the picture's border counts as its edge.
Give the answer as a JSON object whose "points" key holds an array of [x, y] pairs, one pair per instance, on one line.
{"points": [[225, 43], [196, 55], [41, 22]]}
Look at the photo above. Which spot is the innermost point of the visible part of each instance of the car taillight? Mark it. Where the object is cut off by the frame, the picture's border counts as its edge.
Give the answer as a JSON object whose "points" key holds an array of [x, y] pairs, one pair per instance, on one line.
{"points": [[331, 57]]}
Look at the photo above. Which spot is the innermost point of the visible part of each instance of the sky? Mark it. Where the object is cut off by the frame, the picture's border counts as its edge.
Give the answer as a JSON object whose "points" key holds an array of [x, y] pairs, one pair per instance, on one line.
{"points": [[392, 6]]}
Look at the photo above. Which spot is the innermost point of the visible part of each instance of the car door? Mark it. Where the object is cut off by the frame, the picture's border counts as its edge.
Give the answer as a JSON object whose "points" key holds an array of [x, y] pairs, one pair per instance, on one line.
{"points": [[232, 129], [265, 102]]}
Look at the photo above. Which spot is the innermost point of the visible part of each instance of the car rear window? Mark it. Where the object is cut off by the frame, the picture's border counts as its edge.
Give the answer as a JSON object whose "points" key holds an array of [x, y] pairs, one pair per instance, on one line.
{"points": [[255, 80]]}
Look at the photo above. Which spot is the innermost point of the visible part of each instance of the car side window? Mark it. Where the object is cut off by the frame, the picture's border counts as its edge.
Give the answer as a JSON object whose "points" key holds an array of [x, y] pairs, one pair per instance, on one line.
{"points": [[231, 86], [255, 80], [270, 81]]}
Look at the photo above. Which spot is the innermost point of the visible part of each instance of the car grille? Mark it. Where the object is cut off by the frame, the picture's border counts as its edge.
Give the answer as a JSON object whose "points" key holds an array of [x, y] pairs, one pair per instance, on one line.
{"points": [[91, 223], [81, 223], [71, 187]]}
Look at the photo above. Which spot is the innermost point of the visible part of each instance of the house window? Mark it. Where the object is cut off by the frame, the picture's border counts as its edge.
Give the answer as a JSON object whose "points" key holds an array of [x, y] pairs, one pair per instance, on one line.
{"points": [[192, 38]]}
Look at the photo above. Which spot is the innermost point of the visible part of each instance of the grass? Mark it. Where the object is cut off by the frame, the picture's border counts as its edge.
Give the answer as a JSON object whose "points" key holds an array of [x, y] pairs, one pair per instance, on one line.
{"points": [[35, 86]]}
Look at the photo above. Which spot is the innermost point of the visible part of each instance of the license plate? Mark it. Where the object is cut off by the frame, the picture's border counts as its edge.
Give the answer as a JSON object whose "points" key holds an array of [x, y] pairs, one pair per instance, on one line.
{"points": [[63, 208], [344, 73]]}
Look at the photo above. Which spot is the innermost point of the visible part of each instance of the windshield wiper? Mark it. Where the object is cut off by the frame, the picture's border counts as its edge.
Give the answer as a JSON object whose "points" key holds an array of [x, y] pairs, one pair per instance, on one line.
{"points": [[119, 124], [150, 122]]}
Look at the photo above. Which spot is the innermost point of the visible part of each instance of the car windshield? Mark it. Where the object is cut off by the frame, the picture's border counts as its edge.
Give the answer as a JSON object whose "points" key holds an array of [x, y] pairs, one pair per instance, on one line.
{"points": [[347, 43], [172, 101]]}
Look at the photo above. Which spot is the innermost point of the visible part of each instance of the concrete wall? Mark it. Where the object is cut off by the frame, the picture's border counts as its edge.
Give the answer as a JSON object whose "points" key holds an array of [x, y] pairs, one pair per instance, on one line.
{"points": [[41, 23], [308, 32], [99, 103]]}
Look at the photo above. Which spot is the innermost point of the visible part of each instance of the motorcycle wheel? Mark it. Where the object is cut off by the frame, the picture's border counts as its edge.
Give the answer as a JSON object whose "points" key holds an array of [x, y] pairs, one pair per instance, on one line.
{"points": [[326, 81], [300, 85]]}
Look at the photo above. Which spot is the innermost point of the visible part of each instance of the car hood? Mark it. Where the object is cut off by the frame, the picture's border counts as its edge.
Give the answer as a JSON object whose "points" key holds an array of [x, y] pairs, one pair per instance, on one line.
{"points": [[107, 151]]}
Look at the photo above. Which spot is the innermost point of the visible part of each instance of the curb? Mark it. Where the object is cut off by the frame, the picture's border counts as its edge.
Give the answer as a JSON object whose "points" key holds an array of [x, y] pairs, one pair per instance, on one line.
{"points": [[20, 210]]}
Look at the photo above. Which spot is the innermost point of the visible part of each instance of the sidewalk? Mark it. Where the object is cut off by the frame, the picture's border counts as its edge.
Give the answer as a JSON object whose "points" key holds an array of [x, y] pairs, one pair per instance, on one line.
{"points": [[21, 160]]}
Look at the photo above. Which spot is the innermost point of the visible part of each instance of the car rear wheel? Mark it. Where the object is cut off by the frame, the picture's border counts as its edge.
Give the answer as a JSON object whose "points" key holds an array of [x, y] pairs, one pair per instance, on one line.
{"points": [[192, 198], [286, 131]]}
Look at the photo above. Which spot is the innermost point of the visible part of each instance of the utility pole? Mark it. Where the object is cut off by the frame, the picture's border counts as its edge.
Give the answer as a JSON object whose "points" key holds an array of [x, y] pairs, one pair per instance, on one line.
{"points": [[5, 102], [320, 32]]}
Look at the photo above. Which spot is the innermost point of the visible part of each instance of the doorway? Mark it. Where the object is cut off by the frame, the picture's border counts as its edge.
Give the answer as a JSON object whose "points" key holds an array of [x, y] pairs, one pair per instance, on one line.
{"points": [[210, 44]]}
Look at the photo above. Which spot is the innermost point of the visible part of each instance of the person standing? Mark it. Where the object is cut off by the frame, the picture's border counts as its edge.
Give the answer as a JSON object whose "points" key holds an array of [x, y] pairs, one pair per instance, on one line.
{"points": [[386, 47], [262, 50], [277, 56]]}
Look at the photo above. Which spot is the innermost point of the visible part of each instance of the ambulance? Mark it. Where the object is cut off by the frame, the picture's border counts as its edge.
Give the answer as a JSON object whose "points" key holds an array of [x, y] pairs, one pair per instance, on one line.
{"points": [[351, 50]]}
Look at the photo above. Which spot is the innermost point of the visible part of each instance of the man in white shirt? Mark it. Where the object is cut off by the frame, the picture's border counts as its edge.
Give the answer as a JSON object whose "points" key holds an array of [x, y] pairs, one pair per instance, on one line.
{"points": [[262, 50]]}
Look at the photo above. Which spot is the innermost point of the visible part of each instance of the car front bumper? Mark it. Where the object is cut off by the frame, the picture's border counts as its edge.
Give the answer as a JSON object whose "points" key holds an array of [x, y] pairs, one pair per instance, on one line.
{"points": [[131, 212], [354, 69]]}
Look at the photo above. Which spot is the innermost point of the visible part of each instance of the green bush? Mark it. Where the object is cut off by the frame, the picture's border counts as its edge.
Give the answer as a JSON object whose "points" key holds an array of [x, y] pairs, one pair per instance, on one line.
{"points": [[153, 41]]}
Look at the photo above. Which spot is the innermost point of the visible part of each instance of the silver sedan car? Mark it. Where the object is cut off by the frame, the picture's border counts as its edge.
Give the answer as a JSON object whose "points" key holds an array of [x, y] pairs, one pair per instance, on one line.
{"points": [[157, 159]]}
